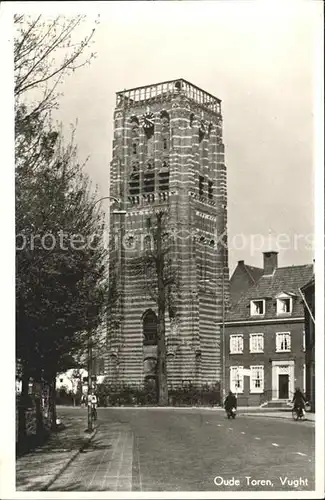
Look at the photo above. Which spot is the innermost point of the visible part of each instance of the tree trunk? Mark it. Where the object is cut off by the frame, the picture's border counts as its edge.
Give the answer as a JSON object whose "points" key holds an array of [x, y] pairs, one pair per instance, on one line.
{"points": [[22, 406], [161, 364], [39, 411], [39, 416], [52, 402], [161, 347]]}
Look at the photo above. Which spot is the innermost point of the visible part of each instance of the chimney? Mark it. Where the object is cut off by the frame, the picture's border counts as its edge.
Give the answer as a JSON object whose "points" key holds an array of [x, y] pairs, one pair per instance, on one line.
{"points": [[270, 262]]}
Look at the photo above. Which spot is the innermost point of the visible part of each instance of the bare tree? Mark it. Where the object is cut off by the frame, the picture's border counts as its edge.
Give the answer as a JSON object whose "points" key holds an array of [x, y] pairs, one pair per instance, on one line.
{"points": [[45, 51], [156, 266]]}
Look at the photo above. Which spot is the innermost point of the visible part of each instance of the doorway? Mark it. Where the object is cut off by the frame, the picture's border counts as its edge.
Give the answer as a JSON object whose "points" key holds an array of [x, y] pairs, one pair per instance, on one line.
{"points": [[284, 386]]}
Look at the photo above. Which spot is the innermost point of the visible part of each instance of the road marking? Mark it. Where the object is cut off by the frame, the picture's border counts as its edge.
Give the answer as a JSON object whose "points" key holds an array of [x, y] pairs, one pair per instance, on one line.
{"points": [[299, 453], [258, 438], [275, 444], [219, 425]]}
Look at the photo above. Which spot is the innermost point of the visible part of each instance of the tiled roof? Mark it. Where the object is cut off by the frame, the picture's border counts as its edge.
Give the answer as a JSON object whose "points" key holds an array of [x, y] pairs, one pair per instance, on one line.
{"points": [[285, 279], [243, 277], [254, 272], [308, 285]]}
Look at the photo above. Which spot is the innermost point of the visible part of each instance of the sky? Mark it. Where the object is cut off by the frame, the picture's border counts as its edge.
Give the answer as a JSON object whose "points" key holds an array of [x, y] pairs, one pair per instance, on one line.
{"points": [[258, 57]]}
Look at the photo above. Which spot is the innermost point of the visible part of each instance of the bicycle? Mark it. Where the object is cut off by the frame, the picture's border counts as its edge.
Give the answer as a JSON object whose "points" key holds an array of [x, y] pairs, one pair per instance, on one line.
{"points": [[93, 413], [298, 414]]}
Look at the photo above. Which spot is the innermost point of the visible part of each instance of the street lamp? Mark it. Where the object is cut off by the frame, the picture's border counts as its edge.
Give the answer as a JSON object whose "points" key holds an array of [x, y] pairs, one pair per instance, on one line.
{"points": [[89, 343]]}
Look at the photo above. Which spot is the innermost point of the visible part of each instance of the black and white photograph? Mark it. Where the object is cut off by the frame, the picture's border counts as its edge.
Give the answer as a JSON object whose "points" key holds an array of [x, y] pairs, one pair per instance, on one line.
{"points": [[165, 296]]}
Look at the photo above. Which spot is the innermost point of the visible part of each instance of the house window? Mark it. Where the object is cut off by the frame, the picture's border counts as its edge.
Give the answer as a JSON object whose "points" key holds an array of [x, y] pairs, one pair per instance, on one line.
{"points": [[257, 307], [236, 344], [256, 342], [236, 379], [210, 190], [284, 306], [257, 379], [201, 185], [283, 342]]}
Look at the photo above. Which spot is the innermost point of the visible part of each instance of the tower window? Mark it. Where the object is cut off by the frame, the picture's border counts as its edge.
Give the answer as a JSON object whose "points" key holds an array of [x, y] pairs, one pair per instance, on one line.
{"points": [[149, 328], [165, 143], [210, 190], [201, 185], [134, 148], [134, 185], [149, 183], [163, 181]]}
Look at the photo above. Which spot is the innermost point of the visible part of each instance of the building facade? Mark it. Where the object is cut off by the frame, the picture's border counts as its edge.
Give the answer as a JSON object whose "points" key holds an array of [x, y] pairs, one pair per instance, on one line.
{"points": [[265, 335], [168, 156], [308, 292]]}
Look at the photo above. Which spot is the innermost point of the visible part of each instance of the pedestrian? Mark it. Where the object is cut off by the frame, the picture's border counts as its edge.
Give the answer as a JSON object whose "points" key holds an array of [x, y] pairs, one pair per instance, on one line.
{"points": [[299, 401], [230, 402]]}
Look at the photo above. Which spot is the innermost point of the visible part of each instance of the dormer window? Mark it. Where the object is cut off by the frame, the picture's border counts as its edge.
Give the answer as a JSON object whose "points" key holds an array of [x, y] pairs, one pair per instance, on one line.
{"points": [[284, 305], [257, 307]]}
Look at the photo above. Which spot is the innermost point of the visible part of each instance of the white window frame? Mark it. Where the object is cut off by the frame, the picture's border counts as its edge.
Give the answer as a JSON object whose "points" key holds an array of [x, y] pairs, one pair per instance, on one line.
{"points": [[278, 342], [304, 340], [236, 375], [258, 369], [252, 307], [251, 337], [231, 347], [278, 302]]}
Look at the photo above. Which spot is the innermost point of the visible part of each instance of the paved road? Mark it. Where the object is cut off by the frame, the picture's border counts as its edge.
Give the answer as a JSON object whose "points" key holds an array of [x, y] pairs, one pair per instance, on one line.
{"points": [[186, 449]]}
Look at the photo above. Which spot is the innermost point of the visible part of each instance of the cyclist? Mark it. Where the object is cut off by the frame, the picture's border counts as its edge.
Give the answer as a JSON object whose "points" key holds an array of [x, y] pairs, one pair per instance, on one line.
{"points": [[299, 402], [92, 402], [230, 403]]}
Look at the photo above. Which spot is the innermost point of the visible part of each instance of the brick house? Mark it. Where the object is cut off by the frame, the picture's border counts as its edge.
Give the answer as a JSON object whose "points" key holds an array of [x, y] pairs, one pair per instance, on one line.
{"points": [[309, 295], [265, 332]]}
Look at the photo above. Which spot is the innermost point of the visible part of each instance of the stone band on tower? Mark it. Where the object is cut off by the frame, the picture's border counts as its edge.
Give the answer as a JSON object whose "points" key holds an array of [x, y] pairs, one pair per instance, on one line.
{"points": [[168, 154]]}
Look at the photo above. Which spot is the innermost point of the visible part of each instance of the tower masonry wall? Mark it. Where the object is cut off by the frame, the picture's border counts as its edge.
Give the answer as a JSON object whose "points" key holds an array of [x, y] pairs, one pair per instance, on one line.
{"points": [[168, 155]]}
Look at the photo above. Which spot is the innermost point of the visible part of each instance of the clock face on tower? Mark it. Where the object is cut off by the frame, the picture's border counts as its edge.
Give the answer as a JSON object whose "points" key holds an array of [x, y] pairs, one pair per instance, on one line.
{"points": [[147, 120]]}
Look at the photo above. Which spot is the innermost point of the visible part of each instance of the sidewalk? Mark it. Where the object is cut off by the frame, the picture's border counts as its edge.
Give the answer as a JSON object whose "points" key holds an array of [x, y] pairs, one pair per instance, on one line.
{"points": [[105, 463], [36, 470], [286, 414]]}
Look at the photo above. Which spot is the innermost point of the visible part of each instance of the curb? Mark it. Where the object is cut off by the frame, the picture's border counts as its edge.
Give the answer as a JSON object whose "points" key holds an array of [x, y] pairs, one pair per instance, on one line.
{"points": [[273, 416], [71, 459]]}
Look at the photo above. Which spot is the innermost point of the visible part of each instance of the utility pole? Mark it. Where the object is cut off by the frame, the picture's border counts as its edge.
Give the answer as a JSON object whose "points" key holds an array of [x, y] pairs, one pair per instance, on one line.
{"points": [[89, 342], [223, 338]]}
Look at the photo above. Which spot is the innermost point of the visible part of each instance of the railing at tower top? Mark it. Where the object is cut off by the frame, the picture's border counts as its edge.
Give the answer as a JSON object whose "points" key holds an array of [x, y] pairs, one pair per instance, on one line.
{"points": [[150, 93]]}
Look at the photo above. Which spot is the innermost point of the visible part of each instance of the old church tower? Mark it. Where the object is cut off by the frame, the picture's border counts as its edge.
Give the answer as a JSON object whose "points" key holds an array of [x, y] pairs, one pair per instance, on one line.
{"points": [[168, 155]]}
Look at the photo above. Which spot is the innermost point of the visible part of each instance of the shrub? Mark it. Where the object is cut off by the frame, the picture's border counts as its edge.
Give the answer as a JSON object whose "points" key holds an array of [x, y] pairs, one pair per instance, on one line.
{"points": [[133, 395]]}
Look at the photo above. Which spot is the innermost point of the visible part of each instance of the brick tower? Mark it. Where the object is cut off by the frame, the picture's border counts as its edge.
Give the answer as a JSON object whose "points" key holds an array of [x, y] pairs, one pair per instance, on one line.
{"points": [[168, 155]]}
